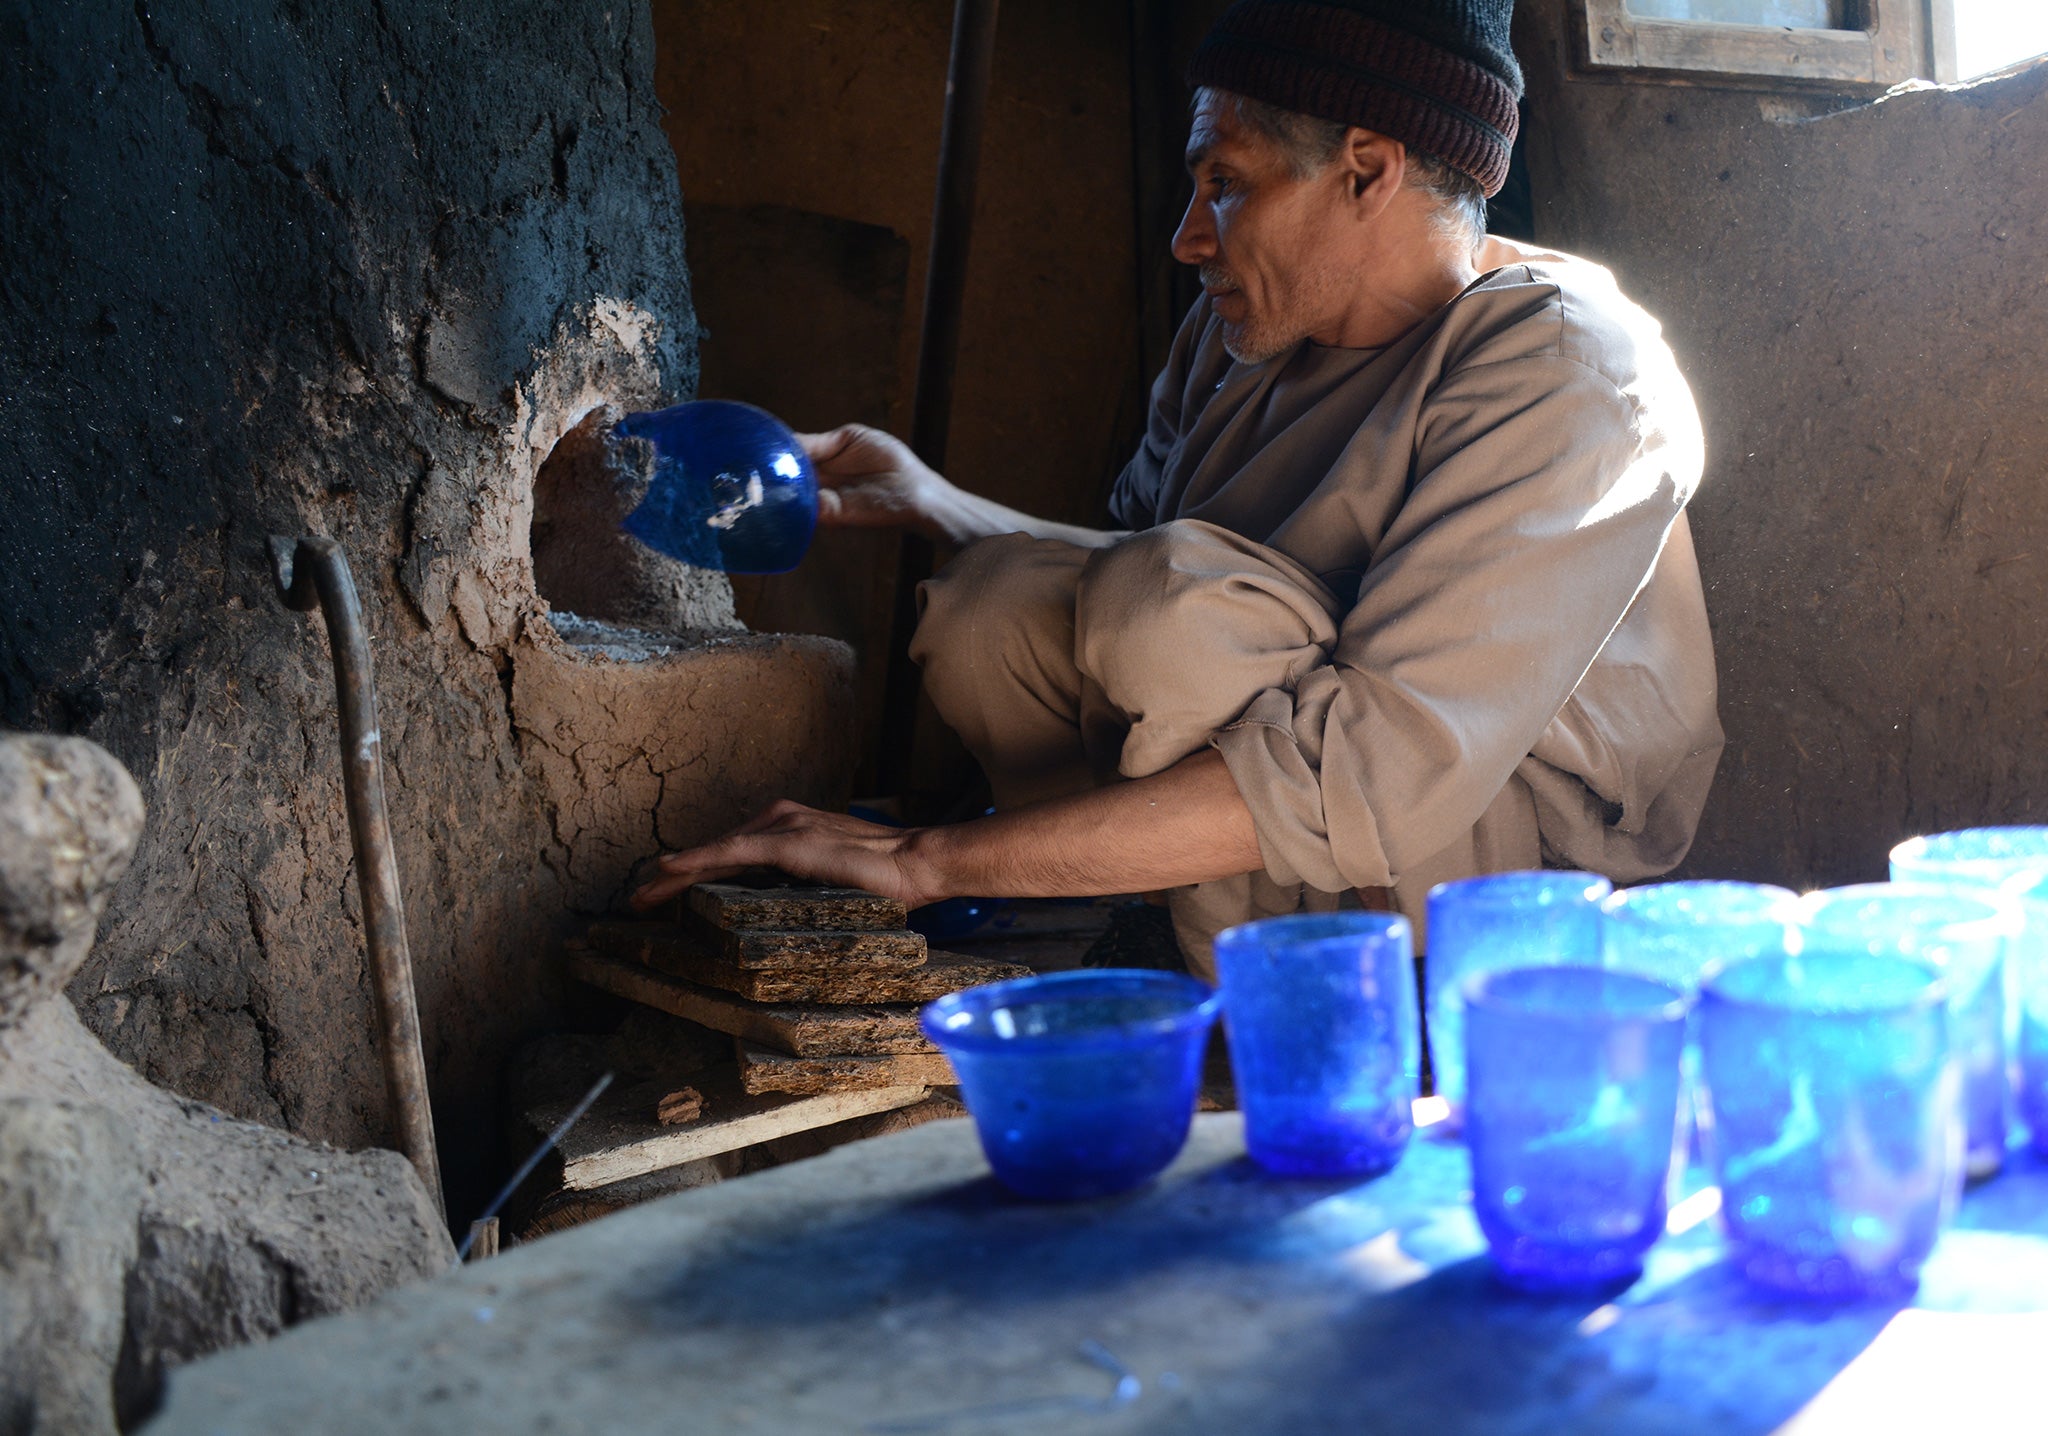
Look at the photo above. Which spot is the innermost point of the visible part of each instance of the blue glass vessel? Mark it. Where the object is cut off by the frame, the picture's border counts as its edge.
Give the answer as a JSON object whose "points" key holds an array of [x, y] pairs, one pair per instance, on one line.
{"points": [[732, 488], [1572, 1120], [1487, 924], [1975, 857], [1837, 1134], [2028, 960], [1673, 932], [1325, 1039], [1963, 932], [1080, 1084], [2013, 861]]}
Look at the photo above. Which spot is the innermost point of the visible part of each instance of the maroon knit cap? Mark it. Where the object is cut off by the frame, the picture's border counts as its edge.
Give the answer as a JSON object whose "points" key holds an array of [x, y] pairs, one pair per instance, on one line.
{"points": [[1437, 75]]}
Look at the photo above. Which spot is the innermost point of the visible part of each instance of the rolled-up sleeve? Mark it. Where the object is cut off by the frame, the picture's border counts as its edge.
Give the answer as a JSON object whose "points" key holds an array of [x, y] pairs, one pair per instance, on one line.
{"points": [[1539, 505]]}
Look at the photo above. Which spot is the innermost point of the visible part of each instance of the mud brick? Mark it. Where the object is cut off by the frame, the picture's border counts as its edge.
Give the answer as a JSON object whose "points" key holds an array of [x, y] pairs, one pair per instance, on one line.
{"points": [[664, 947], [682, 948], [734, 908], [761, 948], [802, 1031], [942, 973], [763, 1072]]}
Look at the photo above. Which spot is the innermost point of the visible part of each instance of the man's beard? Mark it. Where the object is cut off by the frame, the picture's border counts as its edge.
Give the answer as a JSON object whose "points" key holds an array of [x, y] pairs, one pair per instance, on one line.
{"points": [[1246, 345]]}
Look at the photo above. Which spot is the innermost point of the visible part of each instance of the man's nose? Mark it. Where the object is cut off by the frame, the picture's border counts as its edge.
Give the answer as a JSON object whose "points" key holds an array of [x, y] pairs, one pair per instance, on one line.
{"points": [[1195, 241]]}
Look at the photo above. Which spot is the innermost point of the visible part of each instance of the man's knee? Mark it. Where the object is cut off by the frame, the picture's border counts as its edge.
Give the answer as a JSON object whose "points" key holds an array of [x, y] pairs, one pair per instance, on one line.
{"points": [[1000, 614], [1192, 594]]}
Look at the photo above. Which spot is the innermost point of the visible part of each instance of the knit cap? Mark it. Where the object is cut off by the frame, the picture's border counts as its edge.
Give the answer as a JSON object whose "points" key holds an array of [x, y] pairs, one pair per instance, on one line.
{"points": [[1438, 75]]}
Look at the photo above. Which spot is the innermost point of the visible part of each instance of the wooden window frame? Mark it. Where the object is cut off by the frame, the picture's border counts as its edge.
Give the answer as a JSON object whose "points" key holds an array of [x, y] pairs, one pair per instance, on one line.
{"points": [[1899, 40]]}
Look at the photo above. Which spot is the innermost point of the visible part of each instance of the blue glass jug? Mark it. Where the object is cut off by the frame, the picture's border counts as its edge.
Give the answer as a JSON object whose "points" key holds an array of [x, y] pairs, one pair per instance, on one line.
{"points": [[732, 489]]}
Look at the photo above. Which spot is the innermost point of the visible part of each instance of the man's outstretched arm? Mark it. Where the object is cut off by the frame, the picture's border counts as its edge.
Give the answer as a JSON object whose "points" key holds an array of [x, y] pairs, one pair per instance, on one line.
{"points": [[1185, 825], [869, 479]]}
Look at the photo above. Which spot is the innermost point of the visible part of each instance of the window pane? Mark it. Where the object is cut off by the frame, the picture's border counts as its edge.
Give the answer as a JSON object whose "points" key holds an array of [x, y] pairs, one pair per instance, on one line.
{"points": [[1991, 34], [1800, 14]]}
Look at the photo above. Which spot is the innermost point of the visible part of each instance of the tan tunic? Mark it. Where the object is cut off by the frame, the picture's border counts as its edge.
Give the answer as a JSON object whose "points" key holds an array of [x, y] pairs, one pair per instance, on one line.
{"points": [[1522, 669]]}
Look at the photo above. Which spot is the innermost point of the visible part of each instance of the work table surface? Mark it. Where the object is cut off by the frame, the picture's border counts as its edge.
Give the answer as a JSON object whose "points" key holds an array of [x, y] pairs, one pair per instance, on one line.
{"points": [[893, 1286]]}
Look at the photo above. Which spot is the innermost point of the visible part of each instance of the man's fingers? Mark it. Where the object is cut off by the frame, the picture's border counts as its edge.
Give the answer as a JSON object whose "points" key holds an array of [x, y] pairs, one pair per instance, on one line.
{"points": [[737, 851], [804, 842], [683, 870], [776, 815], [825, 447]]}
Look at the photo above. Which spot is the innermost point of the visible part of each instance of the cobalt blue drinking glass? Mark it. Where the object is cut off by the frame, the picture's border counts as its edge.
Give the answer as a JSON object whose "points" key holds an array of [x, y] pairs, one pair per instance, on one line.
{"points": [[1487, 924], [1964, 933], [1973, 857], [1080, 1083], [1572, 1119], [1837, 1130], [2014, 861], [2028, 957], [1673, 931], [732, 489], [1325, 1039]]}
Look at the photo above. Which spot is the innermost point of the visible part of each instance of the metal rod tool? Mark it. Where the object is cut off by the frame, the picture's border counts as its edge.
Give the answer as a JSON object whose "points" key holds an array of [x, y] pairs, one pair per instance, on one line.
{"points": [[314, 572]]}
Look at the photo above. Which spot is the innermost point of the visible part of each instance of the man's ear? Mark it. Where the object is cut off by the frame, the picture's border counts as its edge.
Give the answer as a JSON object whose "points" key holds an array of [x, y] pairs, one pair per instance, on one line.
{"points": [[1375, 167]]}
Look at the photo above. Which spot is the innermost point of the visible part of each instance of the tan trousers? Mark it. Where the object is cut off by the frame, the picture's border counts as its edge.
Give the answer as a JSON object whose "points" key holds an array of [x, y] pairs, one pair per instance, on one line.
{"points": [[1063, 668]]}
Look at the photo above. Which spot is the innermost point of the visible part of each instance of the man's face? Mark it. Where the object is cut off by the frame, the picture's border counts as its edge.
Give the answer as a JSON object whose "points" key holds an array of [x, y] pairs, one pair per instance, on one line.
{"points": [[1268, 245]]}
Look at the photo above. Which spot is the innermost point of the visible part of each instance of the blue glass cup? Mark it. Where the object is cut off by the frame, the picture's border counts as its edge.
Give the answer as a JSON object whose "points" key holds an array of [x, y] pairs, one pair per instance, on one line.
{"points": [[1572, 1119], [1974, 857], [1080, 1084], [1674, 931], [1837, 1134], [2012, 861], [1489, 924], [1964, 933], [2027, 957], [732, 489], [1325, 1039]]}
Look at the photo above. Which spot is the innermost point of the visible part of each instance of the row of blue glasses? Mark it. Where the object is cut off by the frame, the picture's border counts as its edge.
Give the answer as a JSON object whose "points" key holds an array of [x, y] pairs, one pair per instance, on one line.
{"points": [[1840, 1039], [1831, 1088], [1852, 1058]]}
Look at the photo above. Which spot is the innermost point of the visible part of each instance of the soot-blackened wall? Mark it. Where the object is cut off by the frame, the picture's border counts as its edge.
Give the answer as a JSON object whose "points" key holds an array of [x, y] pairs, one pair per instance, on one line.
{"points": [[346, 268]]}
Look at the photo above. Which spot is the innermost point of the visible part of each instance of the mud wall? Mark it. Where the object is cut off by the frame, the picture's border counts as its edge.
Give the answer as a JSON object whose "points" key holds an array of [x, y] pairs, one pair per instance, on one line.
{"points": [[1854, 291], [346, 268]]}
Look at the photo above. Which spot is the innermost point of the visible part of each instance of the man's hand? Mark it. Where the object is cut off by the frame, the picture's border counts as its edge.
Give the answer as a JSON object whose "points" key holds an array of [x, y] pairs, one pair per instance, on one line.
{"points": [[1185, 825], [869, 479], [805, 843]]}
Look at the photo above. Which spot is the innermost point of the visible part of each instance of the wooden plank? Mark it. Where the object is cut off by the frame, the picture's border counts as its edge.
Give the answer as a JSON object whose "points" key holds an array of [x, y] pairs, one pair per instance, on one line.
{"points": [[662, 947], [620, 1137], [762, 1071], [759, 949], [800, 1030], [732, 907]]}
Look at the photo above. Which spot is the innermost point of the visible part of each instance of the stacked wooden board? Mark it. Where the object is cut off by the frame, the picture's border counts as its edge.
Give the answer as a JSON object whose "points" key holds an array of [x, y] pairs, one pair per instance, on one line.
{"points": [[819, 987], [770, 1023], [674, 1117]]}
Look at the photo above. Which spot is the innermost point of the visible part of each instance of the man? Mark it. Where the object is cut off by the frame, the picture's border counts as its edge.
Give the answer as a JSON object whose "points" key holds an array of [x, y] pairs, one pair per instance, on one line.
{"points": [[1407, 592]]}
